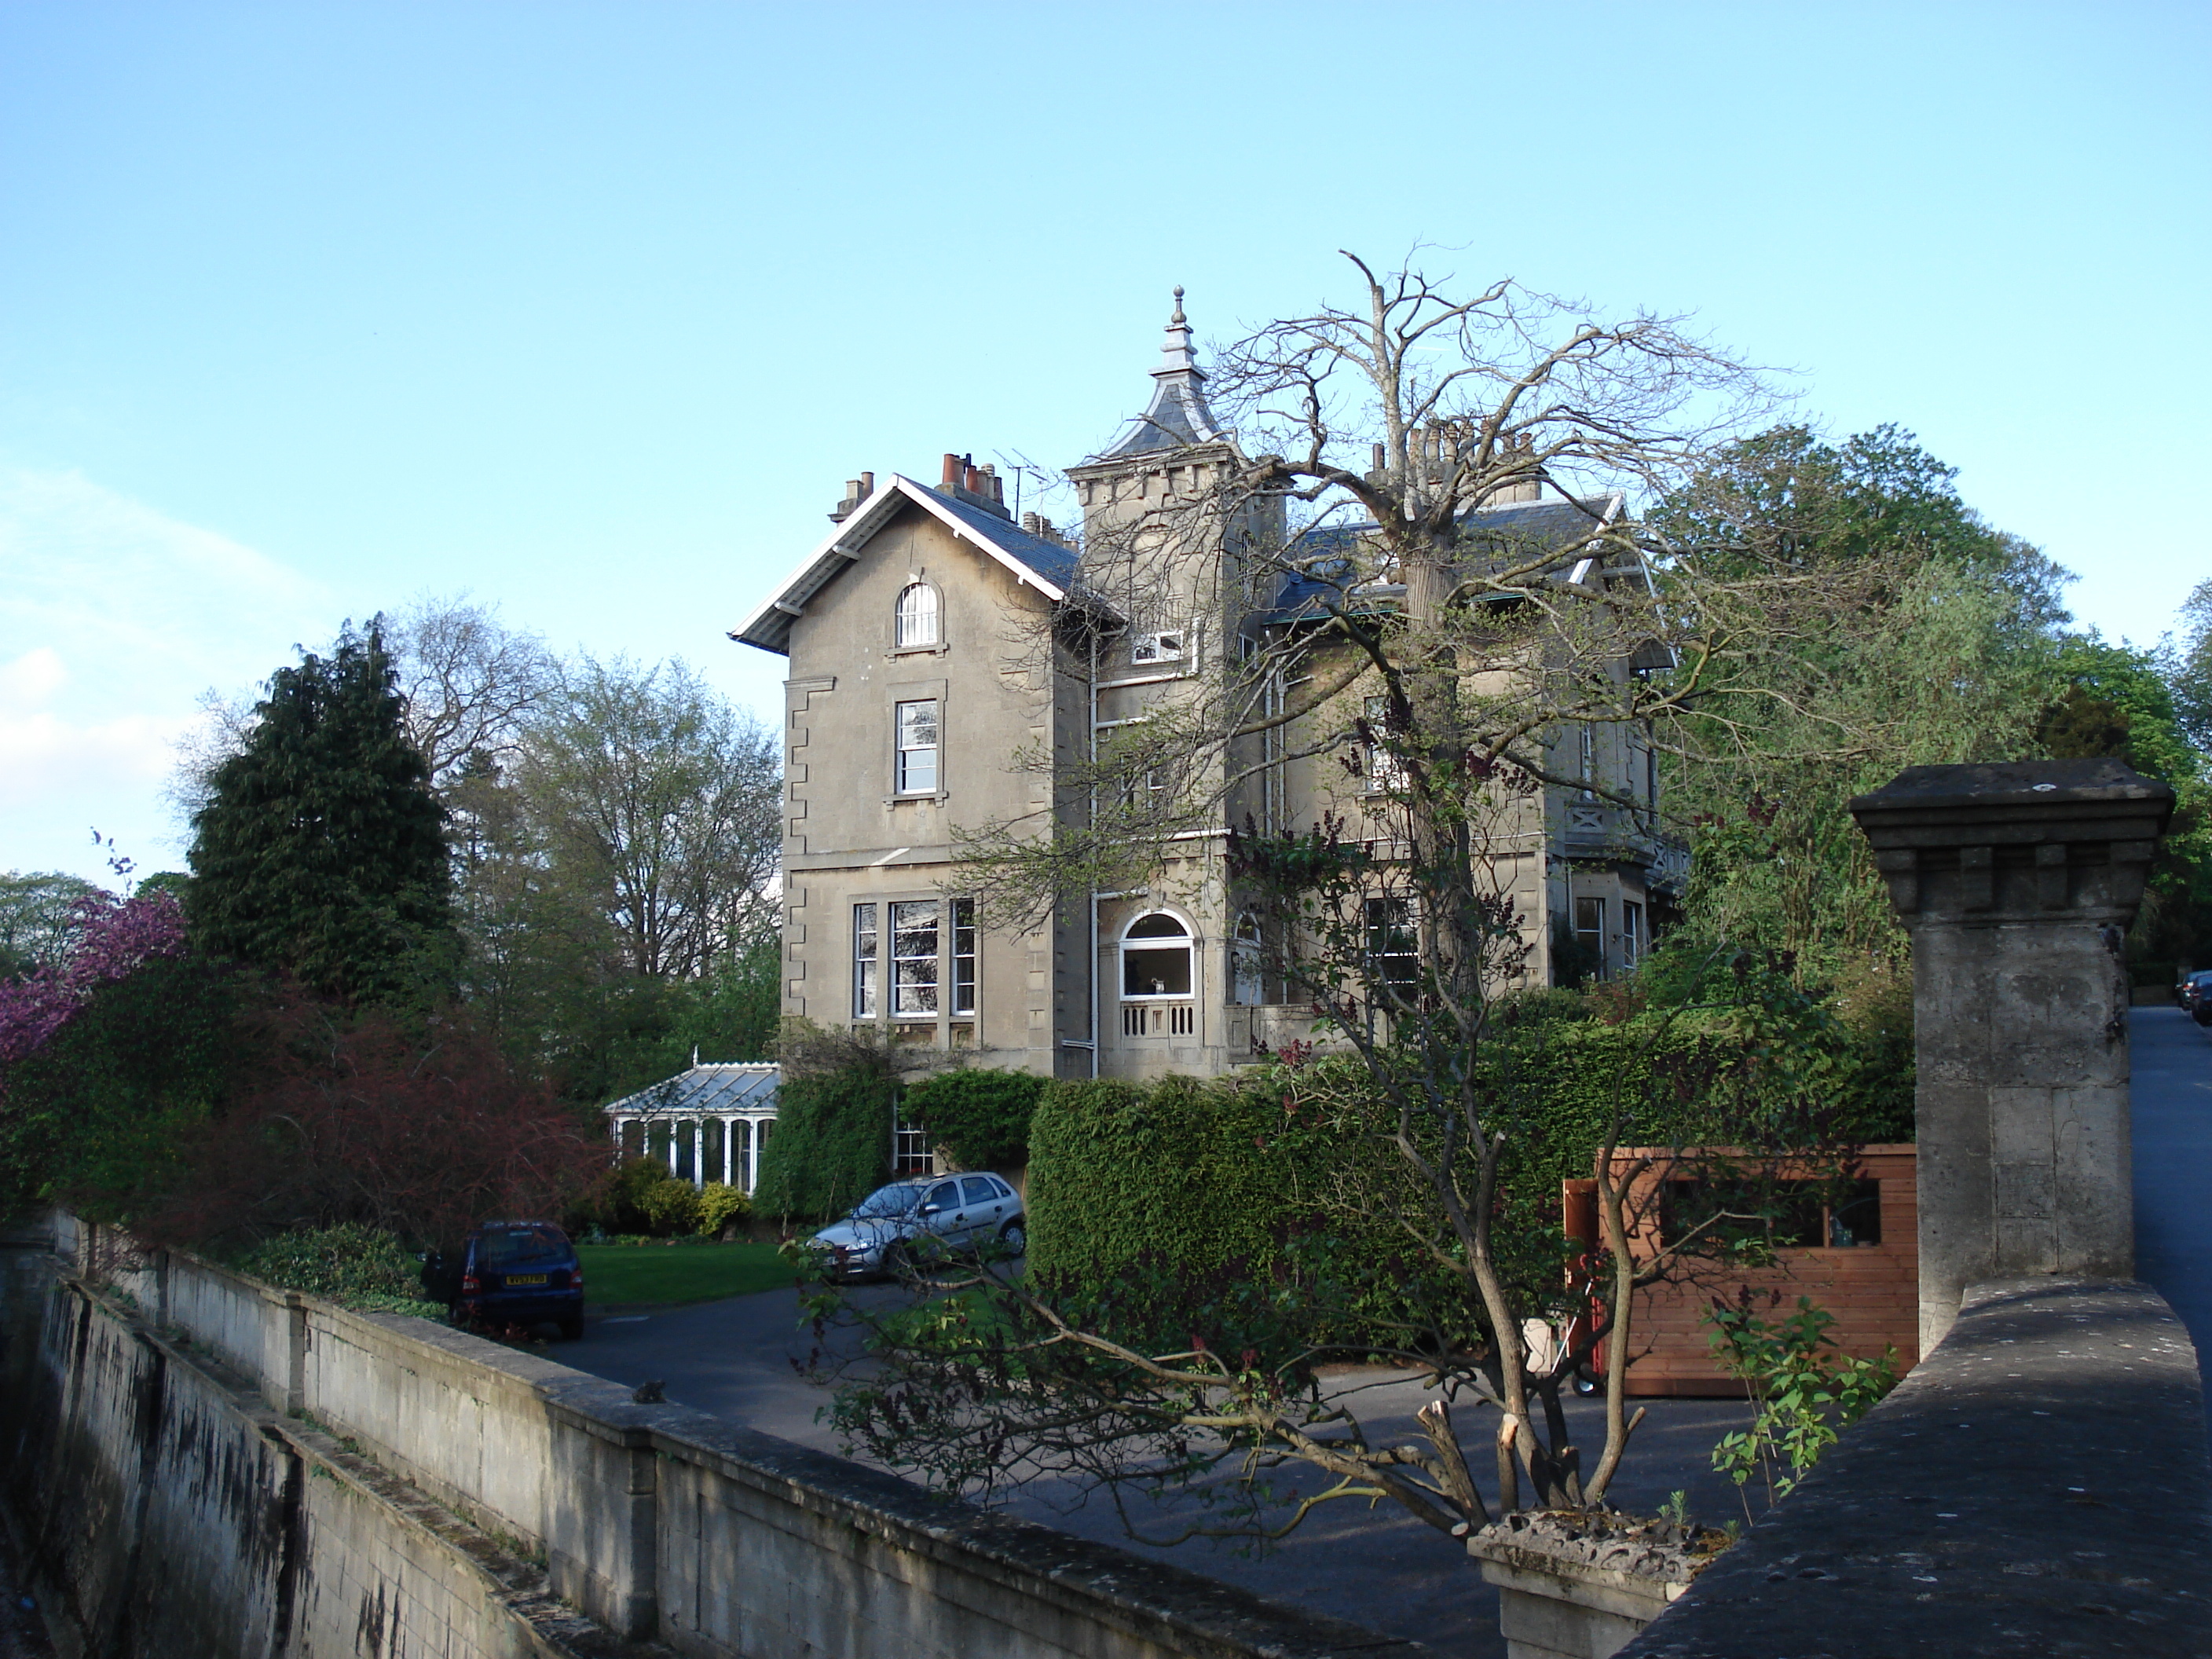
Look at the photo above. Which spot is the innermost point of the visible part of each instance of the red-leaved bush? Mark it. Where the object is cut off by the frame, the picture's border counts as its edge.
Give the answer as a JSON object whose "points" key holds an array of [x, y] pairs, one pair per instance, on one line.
{"points": [[364, 1118]]}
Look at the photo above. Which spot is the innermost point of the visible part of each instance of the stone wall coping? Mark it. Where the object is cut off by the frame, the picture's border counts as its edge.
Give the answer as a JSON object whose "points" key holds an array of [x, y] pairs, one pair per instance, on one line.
{"points": [[1162, 1602], [1183, 1611], [2038, 1485]]}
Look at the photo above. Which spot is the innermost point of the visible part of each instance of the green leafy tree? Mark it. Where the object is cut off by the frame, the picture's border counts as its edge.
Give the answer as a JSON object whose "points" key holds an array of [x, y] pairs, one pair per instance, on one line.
{"points": [[2133, 706], [320, 853], [37, 909], [1950, 656]]}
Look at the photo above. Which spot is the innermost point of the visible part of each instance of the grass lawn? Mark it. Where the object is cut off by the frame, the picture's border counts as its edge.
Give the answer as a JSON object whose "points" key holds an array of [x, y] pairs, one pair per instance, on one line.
{"points": [[680, 1273]]}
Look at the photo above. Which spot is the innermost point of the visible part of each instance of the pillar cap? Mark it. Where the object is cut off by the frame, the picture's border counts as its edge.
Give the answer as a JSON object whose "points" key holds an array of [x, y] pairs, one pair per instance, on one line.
{"points": [[2010, 786], [2013, 840]]}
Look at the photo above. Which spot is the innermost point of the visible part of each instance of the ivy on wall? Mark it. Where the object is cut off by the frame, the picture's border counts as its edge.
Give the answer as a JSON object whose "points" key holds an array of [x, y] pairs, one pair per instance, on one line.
{"points": [[979, 1115], [831, 1146]]}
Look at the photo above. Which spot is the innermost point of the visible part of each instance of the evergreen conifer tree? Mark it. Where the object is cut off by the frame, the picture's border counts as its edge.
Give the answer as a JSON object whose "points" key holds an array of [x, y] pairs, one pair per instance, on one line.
{"points": [[321, 851]]}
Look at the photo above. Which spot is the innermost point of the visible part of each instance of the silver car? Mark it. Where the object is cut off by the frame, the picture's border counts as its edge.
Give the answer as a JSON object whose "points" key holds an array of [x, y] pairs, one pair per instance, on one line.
{"points": [[911, 1220]]}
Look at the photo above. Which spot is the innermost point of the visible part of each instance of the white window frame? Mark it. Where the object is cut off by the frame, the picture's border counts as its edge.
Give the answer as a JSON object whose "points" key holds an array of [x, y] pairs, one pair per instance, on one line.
{"points": [[1632, 925], [868, 955], [1247, 982], [1162, 944], [1163, 645], [1585, 935], [1379, 912], [967, 958], [918, 618], [907, 763], [917, 977]]}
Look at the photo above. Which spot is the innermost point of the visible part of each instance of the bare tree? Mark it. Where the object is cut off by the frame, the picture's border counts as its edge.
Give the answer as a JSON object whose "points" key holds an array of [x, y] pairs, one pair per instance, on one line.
{"points": [[471, 682], [653, 804], [1369, 605]]}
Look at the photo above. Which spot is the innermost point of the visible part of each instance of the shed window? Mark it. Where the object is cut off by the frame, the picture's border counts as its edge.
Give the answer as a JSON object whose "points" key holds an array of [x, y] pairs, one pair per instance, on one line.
{"points": [[917, 616]]}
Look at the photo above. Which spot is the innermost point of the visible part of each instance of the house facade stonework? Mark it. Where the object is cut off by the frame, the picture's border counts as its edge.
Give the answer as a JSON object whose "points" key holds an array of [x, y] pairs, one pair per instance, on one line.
{"points": [[932, 689]]}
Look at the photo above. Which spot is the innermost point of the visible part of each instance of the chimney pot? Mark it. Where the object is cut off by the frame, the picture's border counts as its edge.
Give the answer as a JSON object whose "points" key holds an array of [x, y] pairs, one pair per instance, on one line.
{"points": [[951, 470], [867, 483], [1032, 524]]}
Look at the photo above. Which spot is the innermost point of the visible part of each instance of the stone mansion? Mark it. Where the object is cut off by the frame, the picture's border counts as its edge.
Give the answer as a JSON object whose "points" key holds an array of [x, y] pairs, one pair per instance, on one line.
{"points": [[914, 711]]}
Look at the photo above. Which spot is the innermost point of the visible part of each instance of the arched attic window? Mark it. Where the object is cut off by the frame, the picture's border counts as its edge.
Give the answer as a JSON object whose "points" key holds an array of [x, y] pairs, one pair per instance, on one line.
{"points": [[917, 619], [1156, 957]]}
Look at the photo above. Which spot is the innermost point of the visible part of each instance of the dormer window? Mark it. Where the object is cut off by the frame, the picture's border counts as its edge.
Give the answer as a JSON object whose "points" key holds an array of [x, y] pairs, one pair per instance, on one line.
{"points": [[917, 620], [1156, 647]]}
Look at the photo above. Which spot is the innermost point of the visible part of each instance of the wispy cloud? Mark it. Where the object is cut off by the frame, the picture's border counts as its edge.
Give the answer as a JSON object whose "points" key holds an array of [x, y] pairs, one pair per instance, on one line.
{"points": [[114, 617]]}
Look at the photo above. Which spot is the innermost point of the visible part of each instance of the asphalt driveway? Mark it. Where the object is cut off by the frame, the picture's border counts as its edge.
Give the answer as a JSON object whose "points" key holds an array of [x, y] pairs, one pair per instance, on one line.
{"points": [[1374, 1566]]}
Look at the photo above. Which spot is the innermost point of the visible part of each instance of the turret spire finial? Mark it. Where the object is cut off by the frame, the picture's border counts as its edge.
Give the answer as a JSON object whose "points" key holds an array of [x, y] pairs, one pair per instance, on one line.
{"points": [[1178, 317]]}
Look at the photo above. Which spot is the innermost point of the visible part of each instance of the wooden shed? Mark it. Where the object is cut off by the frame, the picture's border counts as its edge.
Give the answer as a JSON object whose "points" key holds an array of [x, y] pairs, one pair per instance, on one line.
{"points": [[1855, 1252]]}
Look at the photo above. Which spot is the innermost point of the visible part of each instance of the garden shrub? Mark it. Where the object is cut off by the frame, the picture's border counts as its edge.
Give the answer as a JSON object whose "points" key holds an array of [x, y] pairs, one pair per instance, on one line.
{"points": [[671, 1206], [1190, 1207], [718, 1207], [978, 1115], [360, 1267]]}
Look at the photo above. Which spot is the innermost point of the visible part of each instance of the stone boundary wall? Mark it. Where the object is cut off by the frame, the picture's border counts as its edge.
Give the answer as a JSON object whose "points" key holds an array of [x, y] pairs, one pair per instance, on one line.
{"points": [[2039, 1485], [424, 1491]]}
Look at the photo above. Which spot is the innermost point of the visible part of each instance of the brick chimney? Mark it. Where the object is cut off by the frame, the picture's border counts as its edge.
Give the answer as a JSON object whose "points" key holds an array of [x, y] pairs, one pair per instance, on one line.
{"points": [[977, 486]]}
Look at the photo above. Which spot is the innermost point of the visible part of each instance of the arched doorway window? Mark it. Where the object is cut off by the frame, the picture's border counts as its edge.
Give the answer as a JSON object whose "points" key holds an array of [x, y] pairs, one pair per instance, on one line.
{"points": [[1248, 986], [1155, 957], [917, 616]]}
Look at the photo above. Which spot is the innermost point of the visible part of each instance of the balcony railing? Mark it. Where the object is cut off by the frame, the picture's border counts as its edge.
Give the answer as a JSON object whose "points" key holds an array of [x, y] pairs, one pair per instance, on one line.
{"points": [[1159, 1019]]}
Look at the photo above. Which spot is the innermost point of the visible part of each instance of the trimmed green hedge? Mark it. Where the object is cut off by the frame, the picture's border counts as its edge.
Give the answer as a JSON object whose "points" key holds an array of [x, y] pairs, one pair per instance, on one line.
{"points": [[1198, 1205]]}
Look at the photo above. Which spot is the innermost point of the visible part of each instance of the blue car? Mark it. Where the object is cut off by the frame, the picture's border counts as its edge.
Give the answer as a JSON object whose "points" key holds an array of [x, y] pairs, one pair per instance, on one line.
{"points": [[510, 1272]]}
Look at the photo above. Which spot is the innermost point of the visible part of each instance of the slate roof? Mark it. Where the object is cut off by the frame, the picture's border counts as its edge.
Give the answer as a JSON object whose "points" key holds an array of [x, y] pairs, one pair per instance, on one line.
{"points": [[1177, 415], [1049, 561], [1518, 524], [707, 1090], [1046, 566]]}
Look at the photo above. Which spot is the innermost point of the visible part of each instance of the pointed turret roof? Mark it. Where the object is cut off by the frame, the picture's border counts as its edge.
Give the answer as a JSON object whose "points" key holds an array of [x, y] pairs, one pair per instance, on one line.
{"points": [[1177, 415]]}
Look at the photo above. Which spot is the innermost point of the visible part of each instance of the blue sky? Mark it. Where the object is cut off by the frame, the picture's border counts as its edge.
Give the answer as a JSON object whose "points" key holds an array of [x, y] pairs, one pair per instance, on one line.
{"points": [[590, 310]]}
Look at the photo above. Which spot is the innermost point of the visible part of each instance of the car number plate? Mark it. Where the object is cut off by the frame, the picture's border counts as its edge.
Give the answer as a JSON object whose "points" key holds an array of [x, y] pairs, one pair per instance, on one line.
{"points": [[525, 1278]]}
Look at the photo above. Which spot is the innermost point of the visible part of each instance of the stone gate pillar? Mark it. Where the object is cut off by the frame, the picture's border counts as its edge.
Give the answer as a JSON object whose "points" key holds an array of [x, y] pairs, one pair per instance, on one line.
{"points": [[2017, 882]]}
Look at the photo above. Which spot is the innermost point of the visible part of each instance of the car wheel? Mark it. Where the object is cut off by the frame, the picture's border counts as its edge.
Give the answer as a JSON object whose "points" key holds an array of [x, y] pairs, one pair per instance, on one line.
{"points": [[898, 1261], [572, 1330], [1585, 1384], [1015, 1236]]}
